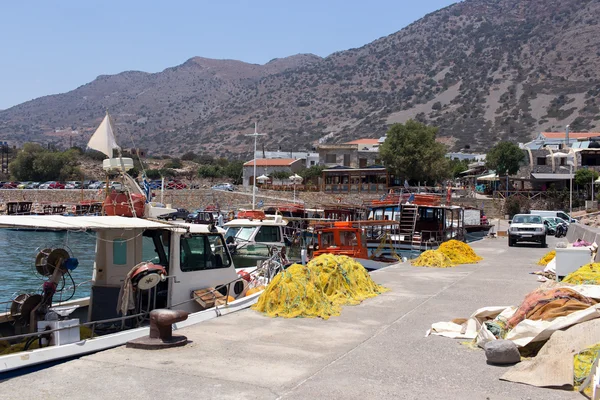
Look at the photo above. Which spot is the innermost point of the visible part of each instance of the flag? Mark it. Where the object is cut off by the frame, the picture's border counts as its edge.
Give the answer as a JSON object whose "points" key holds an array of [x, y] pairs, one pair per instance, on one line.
{"points": [[147, 190], [406, 185], [260, 203]]}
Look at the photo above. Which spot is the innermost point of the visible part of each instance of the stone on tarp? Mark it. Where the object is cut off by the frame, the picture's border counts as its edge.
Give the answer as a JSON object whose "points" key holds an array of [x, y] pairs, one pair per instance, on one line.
{"points": [[502, 352]]}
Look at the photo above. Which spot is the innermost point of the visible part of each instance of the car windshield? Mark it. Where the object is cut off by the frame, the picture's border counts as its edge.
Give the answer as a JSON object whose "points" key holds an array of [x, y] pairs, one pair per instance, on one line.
{"points": [[527, 219]]}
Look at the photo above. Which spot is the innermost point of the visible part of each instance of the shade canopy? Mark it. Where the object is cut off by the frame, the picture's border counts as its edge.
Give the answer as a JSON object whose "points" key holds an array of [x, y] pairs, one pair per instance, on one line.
{"points": [[296, 178], [489, 177], [262, 179]]}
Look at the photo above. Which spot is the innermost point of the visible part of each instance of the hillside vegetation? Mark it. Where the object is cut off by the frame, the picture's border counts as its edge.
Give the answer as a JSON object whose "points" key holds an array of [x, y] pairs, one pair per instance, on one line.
{"points": [[480, 70]]}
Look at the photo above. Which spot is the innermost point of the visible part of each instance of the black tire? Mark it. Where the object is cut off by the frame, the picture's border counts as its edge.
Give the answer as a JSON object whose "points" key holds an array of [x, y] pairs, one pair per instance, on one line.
{"points": [[543, 243], [174, 217], [511, 242]]}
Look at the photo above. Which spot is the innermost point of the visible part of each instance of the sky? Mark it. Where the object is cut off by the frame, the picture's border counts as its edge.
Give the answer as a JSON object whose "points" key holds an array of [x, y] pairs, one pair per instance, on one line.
{"points": [[49, 47]]}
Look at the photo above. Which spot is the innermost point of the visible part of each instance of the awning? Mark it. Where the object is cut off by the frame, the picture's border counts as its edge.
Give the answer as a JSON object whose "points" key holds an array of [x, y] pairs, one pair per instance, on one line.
{"points": [[552, 177], [79, 223], [489, 177]]}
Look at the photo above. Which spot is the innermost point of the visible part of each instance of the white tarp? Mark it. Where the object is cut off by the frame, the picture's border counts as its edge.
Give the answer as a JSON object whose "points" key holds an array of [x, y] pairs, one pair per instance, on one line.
{"points": [[103, 139], [523, 333]]}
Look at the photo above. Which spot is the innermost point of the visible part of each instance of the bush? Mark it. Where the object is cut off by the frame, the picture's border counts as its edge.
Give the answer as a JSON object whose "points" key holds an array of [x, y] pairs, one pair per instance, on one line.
{"points": [[516, 204]]}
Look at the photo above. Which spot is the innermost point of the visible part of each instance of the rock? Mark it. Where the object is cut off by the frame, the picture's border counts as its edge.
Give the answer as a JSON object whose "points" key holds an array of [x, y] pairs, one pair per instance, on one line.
{"points": [[502, 352]]}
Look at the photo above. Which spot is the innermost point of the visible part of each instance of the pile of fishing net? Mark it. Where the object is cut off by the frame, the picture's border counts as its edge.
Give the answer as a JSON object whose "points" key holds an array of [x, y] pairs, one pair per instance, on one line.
{"points": [[459, 252], [449, 254], [549, 256], [588, 274], [433, 258], [582, 367], [318, 289]]}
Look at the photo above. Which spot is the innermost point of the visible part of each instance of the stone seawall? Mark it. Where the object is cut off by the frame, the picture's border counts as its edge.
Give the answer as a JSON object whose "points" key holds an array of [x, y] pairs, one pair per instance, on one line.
{"points": [[199, 198]]}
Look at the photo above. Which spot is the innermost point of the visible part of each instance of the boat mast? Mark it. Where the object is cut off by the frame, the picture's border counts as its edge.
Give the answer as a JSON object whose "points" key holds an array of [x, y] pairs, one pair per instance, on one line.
{"points": [[255, 135]]}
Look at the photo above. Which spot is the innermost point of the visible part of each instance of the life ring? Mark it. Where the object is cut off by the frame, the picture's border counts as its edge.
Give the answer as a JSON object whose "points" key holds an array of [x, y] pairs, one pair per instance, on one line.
{"points": [[148, 275]]}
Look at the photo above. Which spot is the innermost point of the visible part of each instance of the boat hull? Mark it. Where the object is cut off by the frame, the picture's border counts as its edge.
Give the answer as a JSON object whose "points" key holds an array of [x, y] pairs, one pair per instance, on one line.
{"points": [[49, 354]]}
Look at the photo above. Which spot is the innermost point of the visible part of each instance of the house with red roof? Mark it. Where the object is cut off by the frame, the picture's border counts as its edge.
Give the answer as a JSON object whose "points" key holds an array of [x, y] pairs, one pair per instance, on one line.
{"points": [[267, 166]]}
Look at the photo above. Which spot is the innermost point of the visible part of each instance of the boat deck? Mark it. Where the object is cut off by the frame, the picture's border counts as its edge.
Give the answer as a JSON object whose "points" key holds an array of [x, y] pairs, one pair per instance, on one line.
{"points": [[375, 350]]}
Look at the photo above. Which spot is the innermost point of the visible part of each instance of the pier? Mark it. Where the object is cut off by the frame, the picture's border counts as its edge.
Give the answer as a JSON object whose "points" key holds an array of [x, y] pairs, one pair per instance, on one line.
{"points": [[377, 349]]}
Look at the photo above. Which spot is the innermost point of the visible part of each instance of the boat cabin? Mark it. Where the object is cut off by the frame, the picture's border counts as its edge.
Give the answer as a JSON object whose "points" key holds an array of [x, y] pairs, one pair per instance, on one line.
{"points": [[341, 238]]}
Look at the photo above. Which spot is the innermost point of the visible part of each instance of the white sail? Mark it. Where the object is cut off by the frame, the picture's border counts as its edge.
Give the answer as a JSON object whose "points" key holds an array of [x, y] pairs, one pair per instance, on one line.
{"points": [[103, 139]]}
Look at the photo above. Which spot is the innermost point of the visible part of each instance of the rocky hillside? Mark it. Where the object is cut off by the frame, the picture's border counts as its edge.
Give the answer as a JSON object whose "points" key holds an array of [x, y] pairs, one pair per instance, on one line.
{"points": [[481, 70]]}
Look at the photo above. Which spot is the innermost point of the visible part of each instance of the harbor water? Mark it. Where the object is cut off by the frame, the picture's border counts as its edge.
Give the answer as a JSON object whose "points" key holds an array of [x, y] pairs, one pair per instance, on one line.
{"points": [[18, 249]]}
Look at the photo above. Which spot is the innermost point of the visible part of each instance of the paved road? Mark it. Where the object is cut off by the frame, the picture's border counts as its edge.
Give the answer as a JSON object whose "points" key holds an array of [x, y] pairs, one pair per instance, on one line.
{"points": [[376, 350]]}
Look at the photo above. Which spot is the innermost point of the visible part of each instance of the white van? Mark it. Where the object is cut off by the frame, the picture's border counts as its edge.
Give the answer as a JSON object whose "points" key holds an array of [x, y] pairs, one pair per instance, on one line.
{"points": [[559, 214]]}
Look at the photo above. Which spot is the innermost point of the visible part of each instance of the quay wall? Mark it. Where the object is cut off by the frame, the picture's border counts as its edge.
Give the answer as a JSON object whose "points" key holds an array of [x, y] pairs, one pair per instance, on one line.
{"points": [[198, 198]]}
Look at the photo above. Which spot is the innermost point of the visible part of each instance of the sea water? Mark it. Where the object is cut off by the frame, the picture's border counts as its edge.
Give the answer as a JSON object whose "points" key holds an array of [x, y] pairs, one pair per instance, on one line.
{"points": [[18, 249]]}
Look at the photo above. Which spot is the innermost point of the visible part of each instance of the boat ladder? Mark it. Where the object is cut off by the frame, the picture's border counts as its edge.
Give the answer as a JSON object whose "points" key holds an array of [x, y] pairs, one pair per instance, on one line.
{"points": [[408, 220]]}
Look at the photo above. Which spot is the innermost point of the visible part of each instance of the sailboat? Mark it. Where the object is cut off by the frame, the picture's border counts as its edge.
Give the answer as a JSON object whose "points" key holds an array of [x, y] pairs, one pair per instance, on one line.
{"points": [[141, 264]]}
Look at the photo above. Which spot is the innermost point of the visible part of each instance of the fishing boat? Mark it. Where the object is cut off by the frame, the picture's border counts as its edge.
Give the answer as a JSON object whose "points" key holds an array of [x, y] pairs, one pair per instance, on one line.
{"points": [[417, 222], [141, 264], [253, 239]]}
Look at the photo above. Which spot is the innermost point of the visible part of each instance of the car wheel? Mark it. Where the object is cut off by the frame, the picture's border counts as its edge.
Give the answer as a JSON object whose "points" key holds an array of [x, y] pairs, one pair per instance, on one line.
{"points": [[174, 217], [511, 242], [543, 243]]}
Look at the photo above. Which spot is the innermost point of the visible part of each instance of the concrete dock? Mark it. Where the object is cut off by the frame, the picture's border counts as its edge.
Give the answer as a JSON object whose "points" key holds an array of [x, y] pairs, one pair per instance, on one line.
{"points": [[376, 350]]}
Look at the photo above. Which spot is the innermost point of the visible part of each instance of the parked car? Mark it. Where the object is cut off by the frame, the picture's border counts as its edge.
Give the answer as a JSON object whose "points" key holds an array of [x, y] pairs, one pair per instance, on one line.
{"points": [[45, 185], [56, 185], [527, 228], [223, 186], [175, 185], [10, 185], [200, 217], [33, 185], [95, 185], [23, 185], [180, 213], [552, 223], [548, 213], [73, 185]]}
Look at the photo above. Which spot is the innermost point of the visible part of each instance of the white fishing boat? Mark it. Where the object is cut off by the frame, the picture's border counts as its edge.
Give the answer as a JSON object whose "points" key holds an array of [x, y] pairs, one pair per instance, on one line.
{"points": [[141, 264]]}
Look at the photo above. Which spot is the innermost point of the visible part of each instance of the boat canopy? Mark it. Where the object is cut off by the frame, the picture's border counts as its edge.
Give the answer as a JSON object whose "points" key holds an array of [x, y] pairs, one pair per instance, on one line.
{"points": [[82, 223]]}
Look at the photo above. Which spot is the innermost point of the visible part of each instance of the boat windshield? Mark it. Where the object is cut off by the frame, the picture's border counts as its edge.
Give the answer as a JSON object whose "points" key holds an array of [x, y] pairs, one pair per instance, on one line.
{"points": [[245, 233]]}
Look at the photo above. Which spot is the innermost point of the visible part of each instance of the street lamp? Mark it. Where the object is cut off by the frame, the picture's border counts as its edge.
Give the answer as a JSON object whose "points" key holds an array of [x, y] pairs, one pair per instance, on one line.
{"points": [[255, 135], [295, 179]]}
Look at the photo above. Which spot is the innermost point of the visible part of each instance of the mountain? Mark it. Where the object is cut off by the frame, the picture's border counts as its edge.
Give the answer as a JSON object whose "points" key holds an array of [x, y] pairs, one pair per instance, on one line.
{"points": [[481, 70]]}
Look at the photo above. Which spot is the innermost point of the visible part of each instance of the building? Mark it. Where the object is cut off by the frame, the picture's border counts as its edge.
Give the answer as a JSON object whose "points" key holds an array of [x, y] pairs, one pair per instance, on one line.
{"points": [[466, 156], [266, 166], [310, 158], [136, 151], [341, 179], [559, 140], [359, 153]]}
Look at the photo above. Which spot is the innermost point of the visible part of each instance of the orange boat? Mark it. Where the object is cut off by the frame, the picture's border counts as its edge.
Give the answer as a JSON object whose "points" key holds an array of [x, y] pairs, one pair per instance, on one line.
{"points": [[341, 238]]}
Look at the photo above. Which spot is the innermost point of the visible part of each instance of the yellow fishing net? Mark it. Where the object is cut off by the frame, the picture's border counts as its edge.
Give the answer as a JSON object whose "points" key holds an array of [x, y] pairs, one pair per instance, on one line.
{"points": [[433, 258], [547, 258], [589, 274], [318, 289], [582, 366], [459, 252]]}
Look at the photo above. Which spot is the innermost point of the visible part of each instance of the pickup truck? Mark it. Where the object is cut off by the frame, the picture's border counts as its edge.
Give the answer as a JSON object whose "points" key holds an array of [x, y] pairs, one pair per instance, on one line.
{"points": [[527, 228]]}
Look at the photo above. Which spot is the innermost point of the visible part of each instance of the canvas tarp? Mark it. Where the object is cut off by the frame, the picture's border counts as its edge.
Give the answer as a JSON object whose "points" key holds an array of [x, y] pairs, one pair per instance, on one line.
{"points": [[524, 332], [553, 365]]}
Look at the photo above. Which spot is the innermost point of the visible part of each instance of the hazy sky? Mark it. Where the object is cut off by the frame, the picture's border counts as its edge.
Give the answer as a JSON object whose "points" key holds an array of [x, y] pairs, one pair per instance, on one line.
{"points": [[50, 47]]}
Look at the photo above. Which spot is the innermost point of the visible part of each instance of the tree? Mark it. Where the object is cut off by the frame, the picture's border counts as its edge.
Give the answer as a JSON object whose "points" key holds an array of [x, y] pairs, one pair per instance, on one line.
{"points": [[234, 171], [175, 163], [505, 158], [189, 156], [209, 171], [410, 151], [152, 174], [585, 177], [457, 166], [312, 173], [281, 175], [35, 163]]}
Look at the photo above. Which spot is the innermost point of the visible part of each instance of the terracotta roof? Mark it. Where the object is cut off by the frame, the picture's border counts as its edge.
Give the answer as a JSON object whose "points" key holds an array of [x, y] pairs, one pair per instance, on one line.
{"points": [[271, 162], [364, 141], [572, 135]]}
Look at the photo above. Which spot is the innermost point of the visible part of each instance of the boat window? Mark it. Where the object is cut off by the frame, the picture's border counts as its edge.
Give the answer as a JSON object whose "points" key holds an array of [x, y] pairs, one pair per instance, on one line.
{"points": [[327, 240], [119, 252], [155, 247], [196, 253], [245, 232], [268, 234], [231, 232], [348, 238]]}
